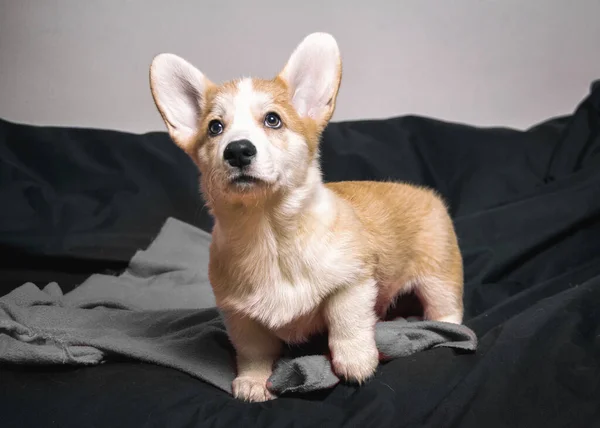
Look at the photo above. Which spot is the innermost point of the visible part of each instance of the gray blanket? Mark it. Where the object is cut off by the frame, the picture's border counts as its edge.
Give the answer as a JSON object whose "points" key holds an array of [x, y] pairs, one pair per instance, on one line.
{"points": [[161, 310]]}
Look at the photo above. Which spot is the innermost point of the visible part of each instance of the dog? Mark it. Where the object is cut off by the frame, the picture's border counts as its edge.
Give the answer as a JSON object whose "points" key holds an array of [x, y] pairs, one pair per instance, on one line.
{"points": [[291, 256]]}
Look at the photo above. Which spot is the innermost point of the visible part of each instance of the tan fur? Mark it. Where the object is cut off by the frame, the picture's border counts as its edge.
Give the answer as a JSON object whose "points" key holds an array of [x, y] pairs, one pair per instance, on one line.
{"points": [[412, 238], [293, 257]]}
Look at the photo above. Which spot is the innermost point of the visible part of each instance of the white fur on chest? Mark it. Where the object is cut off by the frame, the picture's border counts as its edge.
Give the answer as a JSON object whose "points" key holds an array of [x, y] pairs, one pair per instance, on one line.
{"points": [[278, 281]]}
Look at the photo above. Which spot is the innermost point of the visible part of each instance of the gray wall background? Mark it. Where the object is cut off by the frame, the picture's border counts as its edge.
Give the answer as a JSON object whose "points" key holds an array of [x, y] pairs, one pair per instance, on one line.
{"points": [[485, 62]]}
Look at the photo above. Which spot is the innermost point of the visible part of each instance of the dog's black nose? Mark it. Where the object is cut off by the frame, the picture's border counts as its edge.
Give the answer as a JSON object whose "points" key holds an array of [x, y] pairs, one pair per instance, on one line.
{"points": [[239, 153]]}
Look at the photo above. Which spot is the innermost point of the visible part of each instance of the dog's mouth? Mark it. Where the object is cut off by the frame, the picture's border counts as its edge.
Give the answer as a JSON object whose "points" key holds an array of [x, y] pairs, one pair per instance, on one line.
{"points": [[245, 181]]}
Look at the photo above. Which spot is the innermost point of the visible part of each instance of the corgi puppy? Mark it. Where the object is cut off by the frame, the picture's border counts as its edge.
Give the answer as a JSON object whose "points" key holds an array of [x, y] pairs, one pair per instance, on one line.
{"points": [[291, 256]]}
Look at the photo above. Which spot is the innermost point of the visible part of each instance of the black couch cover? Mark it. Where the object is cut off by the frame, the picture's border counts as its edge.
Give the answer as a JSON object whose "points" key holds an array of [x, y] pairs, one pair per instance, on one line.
{"points": [[526, 205]]}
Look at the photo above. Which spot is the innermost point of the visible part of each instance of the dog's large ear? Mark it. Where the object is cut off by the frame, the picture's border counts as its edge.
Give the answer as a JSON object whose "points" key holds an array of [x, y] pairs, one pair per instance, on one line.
{"points": [[313, 75], [179, 92]]}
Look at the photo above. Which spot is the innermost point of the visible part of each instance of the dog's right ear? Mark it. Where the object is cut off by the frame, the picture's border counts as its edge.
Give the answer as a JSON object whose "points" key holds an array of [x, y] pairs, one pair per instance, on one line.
{"points": [[179, 91]]}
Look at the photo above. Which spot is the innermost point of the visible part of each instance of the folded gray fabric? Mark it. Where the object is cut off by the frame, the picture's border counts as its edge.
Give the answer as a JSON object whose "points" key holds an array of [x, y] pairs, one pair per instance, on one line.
{"points": [[161, 310]]}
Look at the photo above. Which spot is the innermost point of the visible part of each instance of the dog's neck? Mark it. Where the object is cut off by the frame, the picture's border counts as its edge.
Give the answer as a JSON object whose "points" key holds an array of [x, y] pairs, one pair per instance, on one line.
{"points": [[284, 214]]}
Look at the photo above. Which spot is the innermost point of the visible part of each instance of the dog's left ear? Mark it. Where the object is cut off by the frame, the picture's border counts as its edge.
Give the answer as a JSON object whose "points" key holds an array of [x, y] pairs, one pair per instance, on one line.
{"points": [[179, 91], [313, 75]]}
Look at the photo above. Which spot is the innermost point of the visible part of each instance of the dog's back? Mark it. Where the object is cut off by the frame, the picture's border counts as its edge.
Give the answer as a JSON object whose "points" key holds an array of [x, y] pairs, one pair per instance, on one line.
{"points": [[412, 237]]}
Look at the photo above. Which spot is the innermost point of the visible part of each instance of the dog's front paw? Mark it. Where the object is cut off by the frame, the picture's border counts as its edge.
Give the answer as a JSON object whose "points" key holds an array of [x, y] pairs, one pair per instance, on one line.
{"points": [[354, 362], [251, 389]]}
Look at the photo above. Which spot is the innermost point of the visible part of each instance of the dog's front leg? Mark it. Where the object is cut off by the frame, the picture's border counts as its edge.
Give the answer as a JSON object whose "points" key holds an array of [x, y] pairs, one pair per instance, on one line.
{"points": [[351, 322], [257, 350]]}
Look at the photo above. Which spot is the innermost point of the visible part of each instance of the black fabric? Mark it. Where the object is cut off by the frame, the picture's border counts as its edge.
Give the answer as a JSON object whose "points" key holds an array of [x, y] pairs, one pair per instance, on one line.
{"points": [[79, 201], [526, 205]]}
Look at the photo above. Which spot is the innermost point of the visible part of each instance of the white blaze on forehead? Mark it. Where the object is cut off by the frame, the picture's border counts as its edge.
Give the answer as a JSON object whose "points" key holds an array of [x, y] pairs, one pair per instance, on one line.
{"points": [[249, 104], [242, 112], [250, 97], [242, 108]]}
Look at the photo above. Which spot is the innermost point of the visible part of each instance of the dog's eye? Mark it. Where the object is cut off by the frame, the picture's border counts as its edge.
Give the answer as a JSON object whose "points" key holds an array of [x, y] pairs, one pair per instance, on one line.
{"points": [[215, 127], [272, 120]]}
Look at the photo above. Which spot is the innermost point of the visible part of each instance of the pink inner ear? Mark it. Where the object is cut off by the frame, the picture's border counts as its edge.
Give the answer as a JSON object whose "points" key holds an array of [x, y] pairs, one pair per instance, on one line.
{"points": [[178, 88], [312, 74], [299, 104], [308, 102]]}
